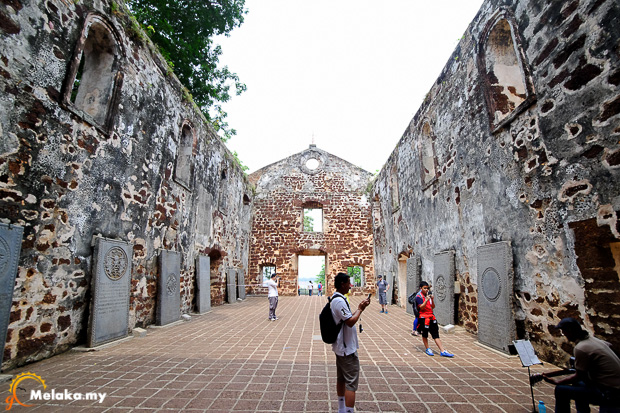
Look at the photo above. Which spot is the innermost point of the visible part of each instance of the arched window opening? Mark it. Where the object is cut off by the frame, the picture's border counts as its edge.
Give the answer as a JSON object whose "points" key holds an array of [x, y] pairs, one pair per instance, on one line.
{"points": [[184, 169], [94, 76], [508, 86], [394, 188], [223, 198], [428, 157]]}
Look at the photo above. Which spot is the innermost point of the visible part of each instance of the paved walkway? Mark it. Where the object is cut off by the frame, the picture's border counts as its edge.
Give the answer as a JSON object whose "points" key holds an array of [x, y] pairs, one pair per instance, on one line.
{"points": [[234, 359]]}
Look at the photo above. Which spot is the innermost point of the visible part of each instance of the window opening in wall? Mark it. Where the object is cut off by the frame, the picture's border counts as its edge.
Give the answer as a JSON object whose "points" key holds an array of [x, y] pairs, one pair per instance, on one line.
{"points": [[267, 271], [311, 268], [313, 219], [246, 199], [312, 164], [394, 189], [356, 273], [223, 198], [93, 78], [185, 158], [508, 86], [428, 158]]}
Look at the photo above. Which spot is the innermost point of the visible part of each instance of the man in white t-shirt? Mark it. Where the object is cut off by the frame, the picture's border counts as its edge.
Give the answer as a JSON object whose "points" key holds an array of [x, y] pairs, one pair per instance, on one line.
{"points": [[345, 347], [273, 296]]}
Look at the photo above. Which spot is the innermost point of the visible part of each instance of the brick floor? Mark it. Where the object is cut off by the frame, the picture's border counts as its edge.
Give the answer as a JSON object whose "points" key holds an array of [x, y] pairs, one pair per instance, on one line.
{"points": [[234, 359]]}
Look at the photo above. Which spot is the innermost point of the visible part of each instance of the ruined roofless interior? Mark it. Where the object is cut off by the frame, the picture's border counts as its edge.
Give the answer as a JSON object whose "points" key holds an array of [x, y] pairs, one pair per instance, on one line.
{"points": [[116, 197]]}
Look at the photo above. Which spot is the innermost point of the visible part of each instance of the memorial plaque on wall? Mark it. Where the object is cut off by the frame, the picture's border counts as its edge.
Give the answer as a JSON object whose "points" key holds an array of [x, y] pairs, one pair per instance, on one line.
{"points": [[10, 247], [168, 288], [443, 287], [496, 325], [241, 283], [203, 284], [231, 281], [110, 289], [413, 280]]}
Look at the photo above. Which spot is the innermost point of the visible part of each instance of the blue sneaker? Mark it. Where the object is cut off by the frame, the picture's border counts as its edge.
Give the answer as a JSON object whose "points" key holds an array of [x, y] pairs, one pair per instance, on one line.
{"points": [[429, 352], [385, 311], [446, 354]]}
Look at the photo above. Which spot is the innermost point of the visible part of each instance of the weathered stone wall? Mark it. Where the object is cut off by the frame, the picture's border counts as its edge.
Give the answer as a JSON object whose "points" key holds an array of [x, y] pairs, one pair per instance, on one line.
{"points": [[283, 189], [128, 157], [518, 141]]}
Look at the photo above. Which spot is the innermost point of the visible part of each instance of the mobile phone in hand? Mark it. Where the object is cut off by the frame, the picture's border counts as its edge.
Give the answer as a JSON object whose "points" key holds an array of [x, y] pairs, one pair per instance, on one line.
{"points": [[369, 295]]}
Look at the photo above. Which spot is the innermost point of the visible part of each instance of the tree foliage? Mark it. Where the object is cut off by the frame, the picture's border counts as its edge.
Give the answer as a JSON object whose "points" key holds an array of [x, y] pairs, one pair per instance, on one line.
{"points": [[308, 223], [320, 277], [355, 273], [184, 31]]}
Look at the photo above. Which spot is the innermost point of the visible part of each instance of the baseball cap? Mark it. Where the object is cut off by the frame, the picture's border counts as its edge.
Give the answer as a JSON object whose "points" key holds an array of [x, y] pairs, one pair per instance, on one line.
{"points": [[380, 276], [569, 323]]}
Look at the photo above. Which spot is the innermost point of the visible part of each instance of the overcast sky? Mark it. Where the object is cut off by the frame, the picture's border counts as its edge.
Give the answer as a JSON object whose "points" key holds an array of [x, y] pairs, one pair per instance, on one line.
{"points": [[350, 73]]}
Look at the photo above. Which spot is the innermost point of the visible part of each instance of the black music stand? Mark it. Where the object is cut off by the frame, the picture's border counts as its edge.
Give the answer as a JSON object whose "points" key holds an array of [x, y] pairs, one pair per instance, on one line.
{"points": [[528, 358]]}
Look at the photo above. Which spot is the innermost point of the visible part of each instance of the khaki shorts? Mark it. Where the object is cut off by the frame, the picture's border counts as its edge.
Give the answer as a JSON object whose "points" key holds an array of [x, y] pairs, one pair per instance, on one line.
{"points": [[348, 371]]}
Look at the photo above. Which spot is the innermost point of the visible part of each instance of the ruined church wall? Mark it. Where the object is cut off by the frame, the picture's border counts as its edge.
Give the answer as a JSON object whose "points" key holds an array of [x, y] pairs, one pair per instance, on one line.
{"points": [[539, 167], [146, 169], [282, 191]]}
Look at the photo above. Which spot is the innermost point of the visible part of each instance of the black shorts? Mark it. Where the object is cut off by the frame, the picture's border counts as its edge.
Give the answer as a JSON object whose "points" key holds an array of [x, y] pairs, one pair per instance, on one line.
{"points": [[432, 328]]}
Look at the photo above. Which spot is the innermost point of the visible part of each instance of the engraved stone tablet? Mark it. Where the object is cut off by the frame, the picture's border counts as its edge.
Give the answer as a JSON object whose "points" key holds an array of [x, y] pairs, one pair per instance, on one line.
{"points": [[10, 247], [241, 283], [169, 288], [111, 284], [443, 287], [413, 280], [231, 287], [203, 284], [496, 325]]}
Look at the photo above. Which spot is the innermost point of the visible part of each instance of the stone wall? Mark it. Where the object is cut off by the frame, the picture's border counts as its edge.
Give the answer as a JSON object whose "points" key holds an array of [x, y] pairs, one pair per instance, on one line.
{"points": [[283, 190], [517, 141], [123, 154]]}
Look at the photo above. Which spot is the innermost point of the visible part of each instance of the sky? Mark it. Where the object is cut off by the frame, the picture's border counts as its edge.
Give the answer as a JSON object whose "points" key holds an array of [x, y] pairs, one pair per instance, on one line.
{"points": [[346, 75]]}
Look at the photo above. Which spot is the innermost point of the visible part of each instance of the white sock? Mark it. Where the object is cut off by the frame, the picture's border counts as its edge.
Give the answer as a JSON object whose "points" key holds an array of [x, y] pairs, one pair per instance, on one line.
{"points": [[350, 410], [341, 406]]}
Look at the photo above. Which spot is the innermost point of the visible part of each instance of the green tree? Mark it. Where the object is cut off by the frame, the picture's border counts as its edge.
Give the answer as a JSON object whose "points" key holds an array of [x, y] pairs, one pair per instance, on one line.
{"points": [[184, 31], [308, 223], [356, 274], [320, 277]]}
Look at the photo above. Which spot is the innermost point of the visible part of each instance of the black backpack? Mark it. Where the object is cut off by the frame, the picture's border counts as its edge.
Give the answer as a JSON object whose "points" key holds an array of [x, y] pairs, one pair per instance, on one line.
{"points": [[329, 328], [411, 300]]}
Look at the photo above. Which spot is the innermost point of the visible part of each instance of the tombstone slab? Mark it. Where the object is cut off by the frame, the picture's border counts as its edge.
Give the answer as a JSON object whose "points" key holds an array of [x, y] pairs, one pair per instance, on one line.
{"points": [[169, 288], [496, 325], [241, 283], [231, 284], [111, 284], [413, 280], [203, 282], [443, 287], [10, 247]]}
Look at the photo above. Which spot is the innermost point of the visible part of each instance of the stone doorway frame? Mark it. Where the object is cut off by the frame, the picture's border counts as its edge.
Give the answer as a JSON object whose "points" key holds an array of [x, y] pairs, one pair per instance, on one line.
{"points": [[313, 253]]}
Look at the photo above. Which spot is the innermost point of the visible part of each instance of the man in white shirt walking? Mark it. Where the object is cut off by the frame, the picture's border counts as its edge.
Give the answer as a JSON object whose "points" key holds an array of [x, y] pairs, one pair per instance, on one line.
{"points": [[346, 345], [273, 296]]}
